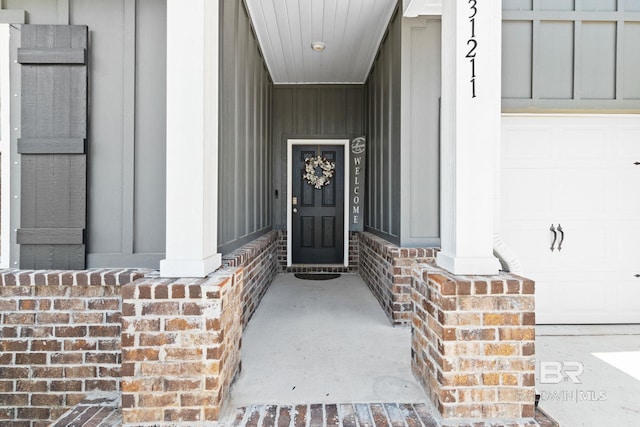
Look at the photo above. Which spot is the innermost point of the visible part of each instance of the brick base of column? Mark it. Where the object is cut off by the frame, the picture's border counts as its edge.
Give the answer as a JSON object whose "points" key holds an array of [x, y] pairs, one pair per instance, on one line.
{"points": [[180, 347], [473, 345]]}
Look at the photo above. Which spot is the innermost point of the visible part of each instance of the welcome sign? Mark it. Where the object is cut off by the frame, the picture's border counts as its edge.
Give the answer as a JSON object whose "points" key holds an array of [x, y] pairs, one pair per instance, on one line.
{"points": [[356, 184]]}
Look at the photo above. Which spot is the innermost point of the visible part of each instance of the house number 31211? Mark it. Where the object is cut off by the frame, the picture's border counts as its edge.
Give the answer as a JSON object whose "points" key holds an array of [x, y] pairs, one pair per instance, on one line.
{"points": [[472, 43]]}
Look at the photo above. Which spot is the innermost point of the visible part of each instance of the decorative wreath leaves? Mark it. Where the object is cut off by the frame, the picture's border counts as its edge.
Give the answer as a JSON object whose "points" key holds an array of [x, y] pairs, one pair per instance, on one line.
{"points": [[327, 167]]}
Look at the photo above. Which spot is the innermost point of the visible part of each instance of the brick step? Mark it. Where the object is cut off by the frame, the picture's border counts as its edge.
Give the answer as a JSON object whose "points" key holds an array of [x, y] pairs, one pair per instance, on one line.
{"points": [[96, 410], [355, 415], [346, 415]]}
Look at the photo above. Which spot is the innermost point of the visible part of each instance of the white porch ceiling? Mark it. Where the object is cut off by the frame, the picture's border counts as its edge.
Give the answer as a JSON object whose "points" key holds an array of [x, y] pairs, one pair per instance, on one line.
{"points": [[351, 29]]}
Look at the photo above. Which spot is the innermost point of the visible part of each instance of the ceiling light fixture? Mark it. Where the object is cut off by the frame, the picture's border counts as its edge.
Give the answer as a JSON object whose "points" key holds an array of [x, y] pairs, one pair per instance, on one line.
{"points": [[318, 46]]}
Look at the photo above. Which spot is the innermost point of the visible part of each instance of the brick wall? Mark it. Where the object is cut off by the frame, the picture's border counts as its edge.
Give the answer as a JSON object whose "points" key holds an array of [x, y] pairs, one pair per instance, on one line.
{"points": [[259, 260], [387, 270], [181, 347], [282, 251], [60, 339], [354, 251], [473, 344]]}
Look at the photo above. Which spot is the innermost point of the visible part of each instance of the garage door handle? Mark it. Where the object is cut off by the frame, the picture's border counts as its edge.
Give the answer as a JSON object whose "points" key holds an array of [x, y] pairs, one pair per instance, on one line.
{"points": [[561, 237], [637, 163], [555, 237]]}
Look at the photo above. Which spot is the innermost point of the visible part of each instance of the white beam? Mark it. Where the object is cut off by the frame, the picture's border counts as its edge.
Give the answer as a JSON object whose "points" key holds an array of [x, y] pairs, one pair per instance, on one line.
{"points": [[471, 98], [192, 139], [414, 8]]}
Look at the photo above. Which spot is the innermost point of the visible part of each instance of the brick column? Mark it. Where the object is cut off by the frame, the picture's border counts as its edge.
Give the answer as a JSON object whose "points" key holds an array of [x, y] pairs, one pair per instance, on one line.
{"points": [[180, 348], [473, 345]]}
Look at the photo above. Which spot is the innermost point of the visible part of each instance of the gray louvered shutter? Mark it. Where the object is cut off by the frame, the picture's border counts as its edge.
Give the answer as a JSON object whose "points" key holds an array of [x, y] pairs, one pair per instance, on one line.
{"points": [[52, 145]]}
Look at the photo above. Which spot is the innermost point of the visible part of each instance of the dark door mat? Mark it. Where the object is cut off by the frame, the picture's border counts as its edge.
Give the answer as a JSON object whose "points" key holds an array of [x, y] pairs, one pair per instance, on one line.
{"points": [[317, 276]]}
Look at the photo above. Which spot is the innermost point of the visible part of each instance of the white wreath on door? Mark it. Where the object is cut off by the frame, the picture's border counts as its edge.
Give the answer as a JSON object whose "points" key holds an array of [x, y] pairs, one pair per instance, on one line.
{"points": [[327, 167]]}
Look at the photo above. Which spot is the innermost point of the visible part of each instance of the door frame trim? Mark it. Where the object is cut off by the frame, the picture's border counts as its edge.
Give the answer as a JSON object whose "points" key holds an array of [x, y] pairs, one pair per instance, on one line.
{"points": [[340, 142]]}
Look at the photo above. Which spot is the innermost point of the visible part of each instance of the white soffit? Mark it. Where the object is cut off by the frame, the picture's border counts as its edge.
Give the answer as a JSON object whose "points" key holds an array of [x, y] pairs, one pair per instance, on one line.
{"points": [[350, 29], [413, 8]]}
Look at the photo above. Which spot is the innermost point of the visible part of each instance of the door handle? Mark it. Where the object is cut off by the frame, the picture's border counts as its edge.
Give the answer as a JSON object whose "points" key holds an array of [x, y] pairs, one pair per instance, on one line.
{"points": [[555, 237], [561, 237], [295, 210]]}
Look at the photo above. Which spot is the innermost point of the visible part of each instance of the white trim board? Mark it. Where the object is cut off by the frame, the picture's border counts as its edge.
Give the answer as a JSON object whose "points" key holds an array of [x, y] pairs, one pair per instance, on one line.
{"points": [[5, 146], [345, 144]]}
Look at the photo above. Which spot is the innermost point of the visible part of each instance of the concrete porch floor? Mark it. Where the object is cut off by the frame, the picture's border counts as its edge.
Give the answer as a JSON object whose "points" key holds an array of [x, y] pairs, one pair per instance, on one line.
{"points": [[323, 342]]}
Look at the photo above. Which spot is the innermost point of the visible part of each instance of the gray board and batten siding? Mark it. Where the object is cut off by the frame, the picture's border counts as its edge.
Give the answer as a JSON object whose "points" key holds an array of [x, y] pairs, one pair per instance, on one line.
{"points": [[310, 112], [382, 205], [244, 211], [403, 156], [420, 132], [125, 139], [566, 55]]}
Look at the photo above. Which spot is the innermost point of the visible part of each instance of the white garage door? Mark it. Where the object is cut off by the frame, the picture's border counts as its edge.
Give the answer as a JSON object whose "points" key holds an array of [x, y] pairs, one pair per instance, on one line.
{"points": [[577, 174]]}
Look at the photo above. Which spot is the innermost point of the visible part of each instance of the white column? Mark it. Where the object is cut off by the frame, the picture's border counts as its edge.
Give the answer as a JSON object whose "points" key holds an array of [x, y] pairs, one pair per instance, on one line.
{"points": [[471, 92], [192, 139]]}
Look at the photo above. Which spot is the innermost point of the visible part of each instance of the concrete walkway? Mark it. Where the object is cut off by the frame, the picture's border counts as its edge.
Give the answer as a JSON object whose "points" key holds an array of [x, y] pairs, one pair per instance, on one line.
{"points": [[323, 342], [600, 383]]}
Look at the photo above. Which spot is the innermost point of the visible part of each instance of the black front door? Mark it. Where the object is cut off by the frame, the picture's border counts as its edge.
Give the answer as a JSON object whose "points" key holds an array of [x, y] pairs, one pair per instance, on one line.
{"points": [[317, 235]]}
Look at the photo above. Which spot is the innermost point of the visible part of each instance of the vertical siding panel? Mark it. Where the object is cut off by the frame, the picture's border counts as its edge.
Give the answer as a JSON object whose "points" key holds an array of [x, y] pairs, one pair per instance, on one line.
{"points": [[517, 57], [420, 75], [260, 160], [105, 19], [228, 122], [354, 110], [306, 109], [395, 146], [631, 62], [269, 144], [377, 175], [332, 118], [383, 195], [244, 128], [282, 126], [241, 130], [150, 134], [246, 162]]}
